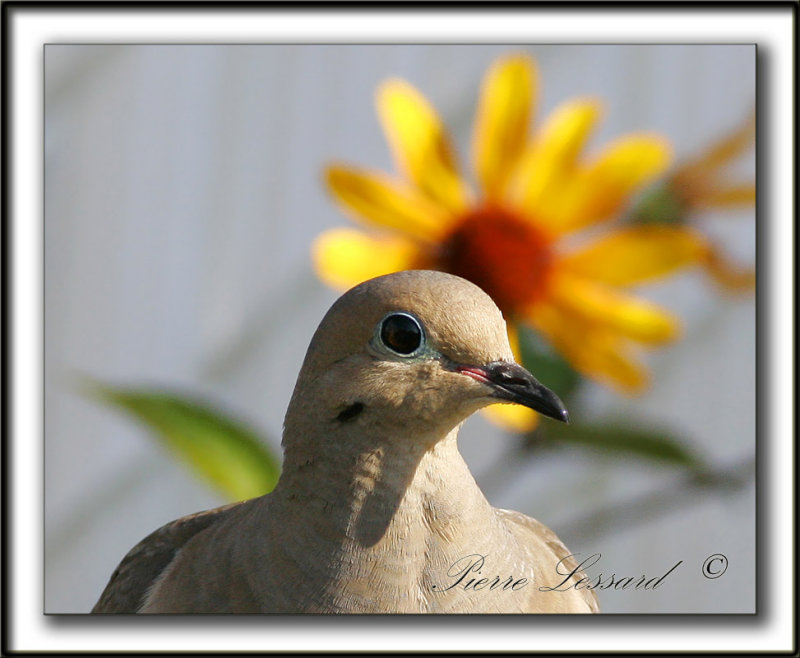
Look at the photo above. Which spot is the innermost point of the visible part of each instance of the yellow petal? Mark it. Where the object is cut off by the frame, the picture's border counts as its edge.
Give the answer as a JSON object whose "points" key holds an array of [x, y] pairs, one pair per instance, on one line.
{"points": [[547, 167], [344, 257], [419, 143], [563, 136], [726, 148], [387, 203], [611, 310], [512, 417], [699, 181], [603, 186], [593, 351], [501, 122], [729, 276], [728, 197], [636, 254]]}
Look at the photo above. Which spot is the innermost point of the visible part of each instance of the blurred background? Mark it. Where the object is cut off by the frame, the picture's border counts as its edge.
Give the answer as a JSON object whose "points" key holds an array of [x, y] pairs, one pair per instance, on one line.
{"points": [[183, 188]]}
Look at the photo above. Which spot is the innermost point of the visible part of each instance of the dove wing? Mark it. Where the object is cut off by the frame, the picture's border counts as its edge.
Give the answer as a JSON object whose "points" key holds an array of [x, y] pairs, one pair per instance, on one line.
{"points": [[543, 534], [140, 568]]}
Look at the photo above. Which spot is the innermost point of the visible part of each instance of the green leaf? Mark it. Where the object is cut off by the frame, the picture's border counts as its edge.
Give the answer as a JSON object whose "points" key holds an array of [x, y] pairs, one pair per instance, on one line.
{"points": [[634, 441], [231, 456], [658, 205], [547, 366]]}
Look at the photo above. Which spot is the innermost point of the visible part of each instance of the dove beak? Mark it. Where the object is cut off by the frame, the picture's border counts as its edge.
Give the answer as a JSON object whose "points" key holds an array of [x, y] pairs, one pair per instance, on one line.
{"points": [[511, 382]]}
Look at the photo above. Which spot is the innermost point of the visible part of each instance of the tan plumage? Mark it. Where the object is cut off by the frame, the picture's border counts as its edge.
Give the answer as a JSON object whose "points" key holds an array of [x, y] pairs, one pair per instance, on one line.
{"points": [[375, 510]]}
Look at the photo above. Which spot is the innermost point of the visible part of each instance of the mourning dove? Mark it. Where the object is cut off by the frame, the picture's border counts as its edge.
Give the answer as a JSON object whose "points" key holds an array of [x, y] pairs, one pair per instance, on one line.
{"points": [[375, 510]]}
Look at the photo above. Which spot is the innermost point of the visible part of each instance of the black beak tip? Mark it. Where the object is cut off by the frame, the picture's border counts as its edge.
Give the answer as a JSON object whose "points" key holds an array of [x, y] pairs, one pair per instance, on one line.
{"points": [[515, 384], [549, 404]]}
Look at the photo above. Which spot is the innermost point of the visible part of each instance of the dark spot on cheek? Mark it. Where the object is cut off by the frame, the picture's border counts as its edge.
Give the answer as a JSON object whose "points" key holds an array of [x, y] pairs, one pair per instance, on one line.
{"points": [[349, 413]]}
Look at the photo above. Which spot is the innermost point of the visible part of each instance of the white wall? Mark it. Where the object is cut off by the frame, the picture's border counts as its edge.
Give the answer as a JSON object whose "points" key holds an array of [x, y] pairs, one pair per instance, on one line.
{"points": [[182, 190]]}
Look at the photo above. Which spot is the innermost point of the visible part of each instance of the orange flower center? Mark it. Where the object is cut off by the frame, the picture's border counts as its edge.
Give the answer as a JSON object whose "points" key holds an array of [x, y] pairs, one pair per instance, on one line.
{"points": [[502, 253]]}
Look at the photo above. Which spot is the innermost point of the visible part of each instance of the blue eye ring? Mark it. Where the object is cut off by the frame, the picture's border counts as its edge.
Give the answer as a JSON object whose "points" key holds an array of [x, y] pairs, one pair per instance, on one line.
{"points": [[401, 333]]}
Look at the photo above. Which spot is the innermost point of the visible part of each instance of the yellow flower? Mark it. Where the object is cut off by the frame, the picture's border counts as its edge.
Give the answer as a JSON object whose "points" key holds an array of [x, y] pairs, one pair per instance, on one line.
{"points": [[518, 238], [700, 184]]}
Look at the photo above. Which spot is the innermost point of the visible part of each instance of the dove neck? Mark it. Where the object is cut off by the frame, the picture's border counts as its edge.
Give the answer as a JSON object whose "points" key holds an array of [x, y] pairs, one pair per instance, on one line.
{"points": [[366, 499], [370, 490]]}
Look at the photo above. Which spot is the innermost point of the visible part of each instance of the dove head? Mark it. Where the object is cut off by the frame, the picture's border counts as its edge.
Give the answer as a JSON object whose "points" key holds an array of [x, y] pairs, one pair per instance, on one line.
{"points": [[409, 354]]}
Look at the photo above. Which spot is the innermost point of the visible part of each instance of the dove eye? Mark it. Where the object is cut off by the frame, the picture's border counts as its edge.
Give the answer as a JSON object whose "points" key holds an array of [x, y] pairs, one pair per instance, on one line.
{"points": [[401, 333]]}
